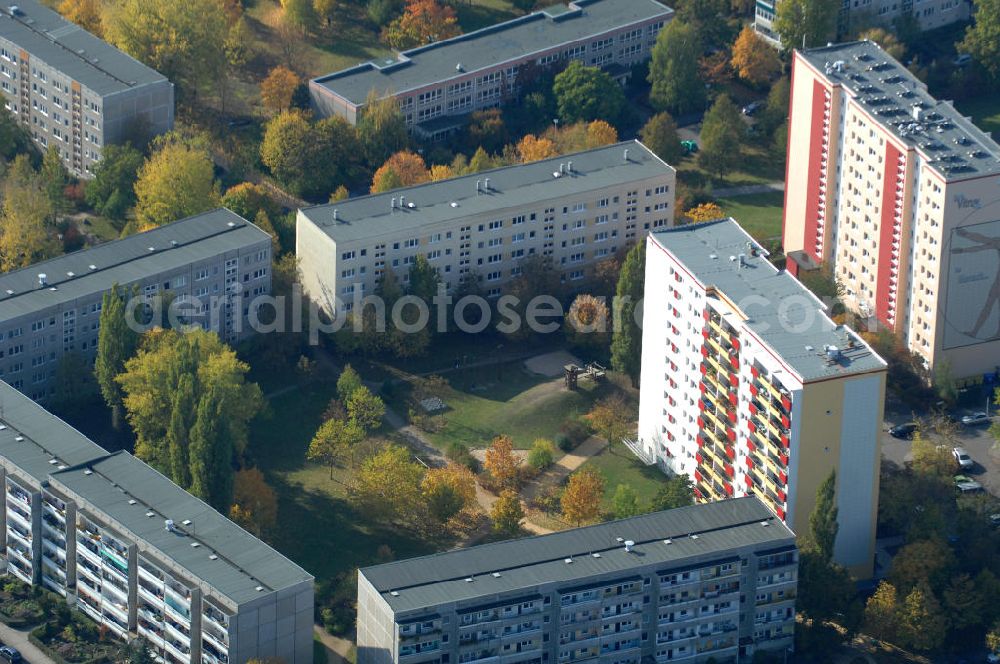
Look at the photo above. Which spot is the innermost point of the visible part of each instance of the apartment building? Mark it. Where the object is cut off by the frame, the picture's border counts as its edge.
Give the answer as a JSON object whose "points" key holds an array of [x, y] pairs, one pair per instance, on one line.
{"points": [[929, 14], [578, 209], [440, 83], [73, 90], [898, 195], [748, 388], [137, 553], [215, 262], [706, 583]]}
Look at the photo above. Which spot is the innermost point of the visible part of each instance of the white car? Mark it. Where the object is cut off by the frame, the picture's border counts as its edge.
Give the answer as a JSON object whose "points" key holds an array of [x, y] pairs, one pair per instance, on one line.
{"points": [[975, 419], [962, 59], [962, 457]]}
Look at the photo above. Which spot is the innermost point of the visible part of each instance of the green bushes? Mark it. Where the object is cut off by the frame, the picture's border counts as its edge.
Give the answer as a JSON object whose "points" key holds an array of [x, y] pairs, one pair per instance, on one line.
{"points": [[542, 454]]}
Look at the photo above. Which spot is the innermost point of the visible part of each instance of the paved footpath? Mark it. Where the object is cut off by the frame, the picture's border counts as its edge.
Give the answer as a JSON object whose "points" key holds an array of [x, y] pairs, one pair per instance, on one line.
{"points": [[19, 639]]}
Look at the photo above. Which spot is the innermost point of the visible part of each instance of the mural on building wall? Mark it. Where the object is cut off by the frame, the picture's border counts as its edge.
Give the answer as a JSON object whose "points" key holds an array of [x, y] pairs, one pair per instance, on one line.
{"points": [[972, 305]]}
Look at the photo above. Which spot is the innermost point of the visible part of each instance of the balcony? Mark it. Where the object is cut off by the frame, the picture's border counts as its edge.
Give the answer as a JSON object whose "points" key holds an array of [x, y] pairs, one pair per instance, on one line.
{"points": [[19, 534], [19, 518], [19, 496]]}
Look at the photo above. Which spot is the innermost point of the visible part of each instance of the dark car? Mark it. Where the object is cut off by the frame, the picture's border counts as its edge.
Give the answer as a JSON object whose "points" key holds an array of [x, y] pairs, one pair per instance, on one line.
{"points": [[904, 431], [752, 108], [11, 654]]}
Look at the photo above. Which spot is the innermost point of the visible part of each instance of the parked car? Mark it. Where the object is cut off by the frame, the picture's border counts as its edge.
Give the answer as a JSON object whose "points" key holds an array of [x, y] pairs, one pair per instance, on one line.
{"points": [[975, 419], [966, 484], [962, 457], [904, 431], [11, 654], [689, 147], [995, 520], [993, 658], [753, 107], [962, 59]]}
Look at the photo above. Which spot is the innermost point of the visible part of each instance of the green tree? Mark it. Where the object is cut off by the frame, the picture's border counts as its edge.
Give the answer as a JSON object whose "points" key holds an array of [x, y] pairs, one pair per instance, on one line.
{"points": [[365, 409], [805, 23], [676, 492], [826, 590], [212, 450], [507, 513], [586, 93], [930, 561], [26, 218], [721, 134], [660, 135], [626, 338], [76, 388], [184, 41], [449, 490], [311, 159], [823, 519], [182, 414], [14, 138], [673, 71], [922, 626], [116, 343], [387, 486], [542, 454], [248, 199], [381, 129], [348, 383], [424, 279], [239, 42], [964, 603], [982, 38], [299, 13], [625, 502], [54, 178], [112, 192], [775, 111], [993, 638], [176, 181], [882, 613], [335, 440]]}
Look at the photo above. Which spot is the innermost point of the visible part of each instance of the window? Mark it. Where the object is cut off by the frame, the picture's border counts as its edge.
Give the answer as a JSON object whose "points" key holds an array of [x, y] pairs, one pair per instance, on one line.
{"points": [[347, 255]]}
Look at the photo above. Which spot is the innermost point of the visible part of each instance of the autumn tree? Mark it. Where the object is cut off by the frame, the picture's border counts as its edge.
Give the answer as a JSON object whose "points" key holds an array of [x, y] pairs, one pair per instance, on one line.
{"points": [[365, 409], [387, 487], [673, 70], [501, 462], [626, 335], [176, 181], [531, 148], [587, 93], [238, 46], [930, 460], [422, 22], [721, 134], [325, 9], [448, 490], [753, 58], [929, 560], [805, 23], [335, 440], [587, 324], [507, 512], [247, 199], [881, 613], [116, 343], [255, 505], [53, 178], [184, 41], [112, 189], [993, 638], [85, 13], [922, 626], [381, 128], [581, 500], [659, 134], [599, 134], [298, 13], [348, 383], [625, 502], [278, 89], [311, 159], [704, 212], [211, 421], [982, 37], [887, 40], [611, 418], [26, 222], [402, 169]]}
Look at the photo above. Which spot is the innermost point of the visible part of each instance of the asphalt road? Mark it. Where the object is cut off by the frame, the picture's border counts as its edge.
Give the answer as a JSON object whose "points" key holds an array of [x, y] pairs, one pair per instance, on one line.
{"points": [[19, 639], [977, 440]]}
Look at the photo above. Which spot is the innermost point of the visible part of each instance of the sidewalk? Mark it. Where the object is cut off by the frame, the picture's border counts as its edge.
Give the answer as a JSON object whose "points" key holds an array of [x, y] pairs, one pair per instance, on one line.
{"points": [[19, 639]]}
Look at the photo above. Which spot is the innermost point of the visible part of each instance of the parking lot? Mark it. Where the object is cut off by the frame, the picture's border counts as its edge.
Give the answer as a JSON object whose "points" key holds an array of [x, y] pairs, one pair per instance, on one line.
{"points": [[977, 440]]}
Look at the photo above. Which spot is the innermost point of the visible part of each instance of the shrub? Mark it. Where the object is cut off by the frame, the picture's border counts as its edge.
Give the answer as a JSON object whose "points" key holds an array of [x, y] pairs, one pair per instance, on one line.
{"points": [[563, 442], [575, 430], [458, 453], [542, 454]]}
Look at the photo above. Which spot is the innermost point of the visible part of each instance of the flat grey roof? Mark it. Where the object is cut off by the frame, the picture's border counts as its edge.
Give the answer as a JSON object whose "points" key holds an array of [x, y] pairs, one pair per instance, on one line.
{"points": [[490, 46], [124, 261], [44, 437], [72, 50], [525, 563], [243, 562], [457, 198], [782, 312], [951, 143]]}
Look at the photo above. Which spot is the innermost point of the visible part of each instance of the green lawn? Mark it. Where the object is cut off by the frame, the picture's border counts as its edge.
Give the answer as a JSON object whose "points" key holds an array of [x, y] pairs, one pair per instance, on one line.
{"points": [[985, 112], [759, 214], [317, 527], [619, 466], [503, 399], [757, 166]]}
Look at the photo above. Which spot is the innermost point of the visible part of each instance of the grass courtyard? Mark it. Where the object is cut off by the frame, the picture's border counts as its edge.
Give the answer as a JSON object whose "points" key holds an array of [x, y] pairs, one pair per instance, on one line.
{"points": [[619, 466], [985, 112], [759, 214]]}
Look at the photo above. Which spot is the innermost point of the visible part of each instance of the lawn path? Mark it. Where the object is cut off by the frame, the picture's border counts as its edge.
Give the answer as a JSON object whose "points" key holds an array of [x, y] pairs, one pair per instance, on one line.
{"points": [[337, 649], [748, 190], [561, 469]]}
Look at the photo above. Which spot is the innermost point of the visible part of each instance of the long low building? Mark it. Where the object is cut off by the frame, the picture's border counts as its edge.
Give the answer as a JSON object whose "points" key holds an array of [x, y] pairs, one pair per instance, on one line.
{"points": [[437, 82], [749, 388], [74, 91], [137, 553], [218, 260], [706, 583], [577, 209]]}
